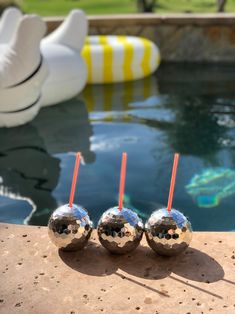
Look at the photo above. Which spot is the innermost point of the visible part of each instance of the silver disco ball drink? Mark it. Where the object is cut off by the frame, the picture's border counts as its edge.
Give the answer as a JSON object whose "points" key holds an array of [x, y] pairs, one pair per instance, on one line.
{"points": [[168, 233], [120, 231], [70, 228]]}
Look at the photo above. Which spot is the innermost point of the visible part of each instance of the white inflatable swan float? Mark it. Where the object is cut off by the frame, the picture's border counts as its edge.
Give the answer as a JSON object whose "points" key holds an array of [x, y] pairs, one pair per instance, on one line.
{"points": [[8, 24], [24, 85], [62, 51], [22, 73]]}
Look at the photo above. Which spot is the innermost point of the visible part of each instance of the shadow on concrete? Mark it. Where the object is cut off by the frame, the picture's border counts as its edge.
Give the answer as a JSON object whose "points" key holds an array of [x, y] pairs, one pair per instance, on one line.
{"points": [[186, 283], [193, 264], [198, 266], [229, 281], [161, 292], [94, 260]]}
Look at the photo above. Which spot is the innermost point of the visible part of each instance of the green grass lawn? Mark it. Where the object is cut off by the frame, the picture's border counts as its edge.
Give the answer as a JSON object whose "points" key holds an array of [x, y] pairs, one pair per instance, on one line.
{"points": [[62, 7]]}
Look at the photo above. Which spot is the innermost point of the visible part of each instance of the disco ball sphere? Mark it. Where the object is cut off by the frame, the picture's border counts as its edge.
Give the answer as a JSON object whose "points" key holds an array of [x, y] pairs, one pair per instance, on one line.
{"points": [[168, 233], [120, 231], [70, 228]]}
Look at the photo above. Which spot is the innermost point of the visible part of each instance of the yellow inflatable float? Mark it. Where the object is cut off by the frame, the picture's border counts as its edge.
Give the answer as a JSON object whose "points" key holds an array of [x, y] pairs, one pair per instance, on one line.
{"points": [[113, 59]]}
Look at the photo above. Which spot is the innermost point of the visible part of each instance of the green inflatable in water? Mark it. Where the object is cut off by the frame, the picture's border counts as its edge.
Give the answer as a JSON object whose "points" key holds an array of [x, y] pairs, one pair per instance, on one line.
{"points": [[212, 185]]}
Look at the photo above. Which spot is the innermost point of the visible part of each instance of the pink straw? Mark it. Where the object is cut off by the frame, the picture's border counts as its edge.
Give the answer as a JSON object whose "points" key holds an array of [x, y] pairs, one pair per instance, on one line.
{"points": [[75, 175], [172, 186], [122, 180]]}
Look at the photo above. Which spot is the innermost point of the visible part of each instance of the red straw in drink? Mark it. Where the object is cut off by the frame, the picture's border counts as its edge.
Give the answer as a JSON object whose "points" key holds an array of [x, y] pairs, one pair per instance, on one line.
{"points": [[172, 186], [122, 181], [75, 175]]}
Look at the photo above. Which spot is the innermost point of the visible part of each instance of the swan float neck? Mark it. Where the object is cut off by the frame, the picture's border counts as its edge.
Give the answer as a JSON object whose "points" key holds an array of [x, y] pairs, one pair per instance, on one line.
{"points": [[72, 32]]}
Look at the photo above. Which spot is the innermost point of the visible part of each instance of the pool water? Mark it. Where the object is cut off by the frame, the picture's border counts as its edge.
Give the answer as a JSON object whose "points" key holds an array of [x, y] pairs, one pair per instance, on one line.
{"points": [[188, 109]]}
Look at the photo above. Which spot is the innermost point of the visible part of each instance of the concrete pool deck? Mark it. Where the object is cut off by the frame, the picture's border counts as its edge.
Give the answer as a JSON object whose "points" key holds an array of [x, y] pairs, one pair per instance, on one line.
{"points": [[36, 278]]}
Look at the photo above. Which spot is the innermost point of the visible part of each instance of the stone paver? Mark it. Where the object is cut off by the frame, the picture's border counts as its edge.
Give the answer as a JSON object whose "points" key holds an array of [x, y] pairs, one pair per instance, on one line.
{"points": [[36, 278]]}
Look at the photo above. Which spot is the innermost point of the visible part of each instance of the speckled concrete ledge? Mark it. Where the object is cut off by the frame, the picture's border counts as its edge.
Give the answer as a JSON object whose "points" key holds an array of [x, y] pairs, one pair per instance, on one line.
{"points": [[36, 278]]}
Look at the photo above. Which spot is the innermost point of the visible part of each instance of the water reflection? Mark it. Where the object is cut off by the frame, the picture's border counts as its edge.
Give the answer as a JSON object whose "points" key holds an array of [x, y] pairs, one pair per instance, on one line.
{"points": [[114, 98], [186, 114], [28, 168], [192, 117], [200, 117], [178, 113], [213, 79], [209, 187], [28, 172], [66, 128]]}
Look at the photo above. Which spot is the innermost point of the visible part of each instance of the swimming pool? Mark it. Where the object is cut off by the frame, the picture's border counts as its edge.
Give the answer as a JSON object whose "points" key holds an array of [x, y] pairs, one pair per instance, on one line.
{"points": [[188, 109]]}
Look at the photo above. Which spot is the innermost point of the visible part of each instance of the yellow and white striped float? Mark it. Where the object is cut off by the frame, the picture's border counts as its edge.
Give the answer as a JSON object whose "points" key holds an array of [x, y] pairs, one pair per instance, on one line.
{"points": [[112, 59]]}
